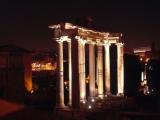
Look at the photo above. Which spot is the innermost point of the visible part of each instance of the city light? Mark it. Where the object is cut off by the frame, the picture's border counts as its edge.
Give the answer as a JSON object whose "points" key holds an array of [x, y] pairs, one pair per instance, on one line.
{"points": [[65, 82], [84, 102], [147, 59], [32, 91], [92, 100], [39, 66], [89, 107]]}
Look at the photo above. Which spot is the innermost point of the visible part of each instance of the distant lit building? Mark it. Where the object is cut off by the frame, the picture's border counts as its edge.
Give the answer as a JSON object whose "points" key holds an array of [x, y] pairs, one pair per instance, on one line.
{"points": [[15, 72], [44, 61], [141, 51], [150, 60], [147, 53], [44, 67]]}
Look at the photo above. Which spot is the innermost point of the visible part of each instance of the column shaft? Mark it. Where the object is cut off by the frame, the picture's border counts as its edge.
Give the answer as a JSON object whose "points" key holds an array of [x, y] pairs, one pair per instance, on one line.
{"points": [[120, 68], [107, 68], [84, 70], [81, 71], [100, 70], [61, 81], [91, 70], [70, 73]]}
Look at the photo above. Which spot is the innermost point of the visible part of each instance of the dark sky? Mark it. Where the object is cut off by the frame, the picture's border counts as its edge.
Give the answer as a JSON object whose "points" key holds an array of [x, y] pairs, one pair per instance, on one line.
{"points": [[25, 22]]}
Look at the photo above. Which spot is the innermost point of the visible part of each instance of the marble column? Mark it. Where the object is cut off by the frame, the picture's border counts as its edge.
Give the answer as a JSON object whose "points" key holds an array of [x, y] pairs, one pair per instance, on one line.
{"points": [[81, 71], [70, 73], [92, 70], [60, 97], [84, 69], [120, 68], [107, 68], [100, 70]]}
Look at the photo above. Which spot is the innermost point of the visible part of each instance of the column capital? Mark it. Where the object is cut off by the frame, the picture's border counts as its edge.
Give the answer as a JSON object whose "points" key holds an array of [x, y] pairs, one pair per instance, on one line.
{"points": [[81, 40], [69, 40], [99, 43], [106, 35], [106, 41], [107, 44], [77, 37], [92, 42], [59, 42], [120, 44], [62, 39]]}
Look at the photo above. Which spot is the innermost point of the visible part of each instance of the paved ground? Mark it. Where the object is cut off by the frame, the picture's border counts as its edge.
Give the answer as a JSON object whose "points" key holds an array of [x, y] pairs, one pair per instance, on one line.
{"points": [[109, 109], [12, 111]]}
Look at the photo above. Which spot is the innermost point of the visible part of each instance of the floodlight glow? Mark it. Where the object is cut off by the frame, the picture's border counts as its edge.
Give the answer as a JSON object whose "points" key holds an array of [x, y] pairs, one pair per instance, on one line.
{"points": [[32, 91], [89, 107], [84, 102], [92, 100]]}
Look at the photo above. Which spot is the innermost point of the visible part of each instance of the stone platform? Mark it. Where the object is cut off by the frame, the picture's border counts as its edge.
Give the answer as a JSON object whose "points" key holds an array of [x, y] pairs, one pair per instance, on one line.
{"points": [[106, 108]]}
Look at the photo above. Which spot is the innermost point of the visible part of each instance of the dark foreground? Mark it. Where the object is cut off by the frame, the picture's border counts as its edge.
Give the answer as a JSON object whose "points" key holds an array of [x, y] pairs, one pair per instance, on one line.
{"points": [[110, 109]]}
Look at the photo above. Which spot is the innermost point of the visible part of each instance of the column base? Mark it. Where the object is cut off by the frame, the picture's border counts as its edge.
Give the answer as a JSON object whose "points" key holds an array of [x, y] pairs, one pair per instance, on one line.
{"points": [[101, 96], [120, 94], [92, 99], [108, 94], [83, 101], [60, 106], [69, 104]]}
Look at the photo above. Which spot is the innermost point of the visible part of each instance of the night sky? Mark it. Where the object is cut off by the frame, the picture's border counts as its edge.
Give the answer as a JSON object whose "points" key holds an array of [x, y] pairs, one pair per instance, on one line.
{"points": [[25, 23]]}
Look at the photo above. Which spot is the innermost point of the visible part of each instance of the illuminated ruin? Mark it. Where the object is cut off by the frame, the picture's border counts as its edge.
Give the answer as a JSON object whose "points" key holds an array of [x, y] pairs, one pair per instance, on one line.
{"points": [[77, 38]]}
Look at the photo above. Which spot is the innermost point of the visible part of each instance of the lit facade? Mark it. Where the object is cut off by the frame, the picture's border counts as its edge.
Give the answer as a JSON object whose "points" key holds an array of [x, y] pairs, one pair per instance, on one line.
{"points": [[43, 61], [46, 66], [77, 39], [141, 52]]}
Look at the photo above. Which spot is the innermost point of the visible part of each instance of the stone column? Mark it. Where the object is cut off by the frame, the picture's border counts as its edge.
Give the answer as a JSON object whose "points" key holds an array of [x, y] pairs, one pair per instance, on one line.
{"points": [[120, 68], [84, 70], [107, 68], [91, 70], [60, 97], [70, 73], [81, 71], [100, 70]]}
